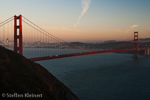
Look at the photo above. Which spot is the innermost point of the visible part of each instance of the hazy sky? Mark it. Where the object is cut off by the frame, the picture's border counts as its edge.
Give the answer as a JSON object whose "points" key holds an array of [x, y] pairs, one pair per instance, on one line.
{"points": [[84, 20]]}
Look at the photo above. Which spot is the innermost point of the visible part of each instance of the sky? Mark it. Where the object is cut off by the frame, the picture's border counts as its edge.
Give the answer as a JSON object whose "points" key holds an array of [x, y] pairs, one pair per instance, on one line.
{"points": [[84, 20]]}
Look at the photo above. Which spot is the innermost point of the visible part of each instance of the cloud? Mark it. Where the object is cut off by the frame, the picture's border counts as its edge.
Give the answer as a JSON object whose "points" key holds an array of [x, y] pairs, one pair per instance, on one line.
{"points": [[133, 26], [85, 6]]}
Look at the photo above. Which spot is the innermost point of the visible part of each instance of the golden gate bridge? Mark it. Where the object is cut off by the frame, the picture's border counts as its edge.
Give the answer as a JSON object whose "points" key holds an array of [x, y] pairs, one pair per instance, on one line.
{"points": [[26, 34]]}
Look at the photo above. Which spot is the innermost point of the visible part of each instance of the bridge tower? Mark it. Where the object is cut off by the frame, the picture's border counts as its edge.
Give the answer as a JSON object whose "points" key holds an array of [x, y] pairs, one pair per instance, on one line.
{"points": [[18, 34], [136, 45]]}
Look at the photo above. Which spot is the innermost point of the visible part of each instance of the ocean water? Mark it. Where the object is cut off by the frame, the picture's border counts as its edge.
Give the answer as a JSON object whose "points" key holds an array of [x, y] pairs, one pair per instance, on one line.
{"points": [[107, 76]]}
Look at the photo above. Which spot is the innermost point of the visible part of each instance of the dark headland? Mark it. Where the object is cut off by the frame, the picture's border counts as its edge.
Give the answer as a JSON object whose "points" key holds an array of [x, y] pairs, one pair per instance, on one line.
{"points": [[22, 78]]}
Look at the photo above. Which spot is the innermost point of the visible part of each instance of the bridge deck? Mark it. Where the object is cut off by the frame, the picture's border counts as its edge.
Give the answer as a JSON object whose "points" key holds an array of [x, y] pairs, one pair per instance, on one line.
{"points": [[80, 54]]}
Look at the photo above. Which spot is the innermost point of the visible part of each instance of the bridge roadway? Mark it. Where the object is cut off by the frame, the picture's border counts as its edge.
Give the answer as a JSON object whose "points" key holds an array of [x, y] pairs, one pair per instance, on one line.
{"points": [[80, 54]]}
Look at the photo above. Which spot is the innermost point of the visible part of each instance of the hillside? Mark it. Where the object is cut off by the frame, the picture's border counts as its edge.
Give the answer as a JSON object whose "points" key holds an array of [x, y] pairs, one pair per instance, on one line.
{"points": [[22, 78], [112, 45]]}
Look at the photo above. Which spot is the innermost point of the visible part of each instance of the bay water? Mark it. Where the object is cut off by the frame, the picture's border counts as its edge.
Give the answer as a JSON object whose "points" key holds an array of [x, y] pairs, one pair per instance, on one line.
{"points": [[107, 76]]}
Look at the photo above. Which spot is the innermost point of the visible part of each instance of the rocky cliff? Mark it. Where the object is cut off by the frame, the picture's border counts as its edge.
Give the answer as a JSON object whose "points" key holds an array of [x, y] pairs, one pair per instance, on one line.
{"points": [[22, 78]]}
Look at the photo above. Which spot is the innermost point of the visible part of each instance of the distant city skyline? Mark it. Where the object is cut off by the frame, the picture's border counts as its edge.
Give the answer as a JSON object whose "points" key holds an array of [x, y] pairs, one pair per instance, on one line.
{"points": [[84, 20]]}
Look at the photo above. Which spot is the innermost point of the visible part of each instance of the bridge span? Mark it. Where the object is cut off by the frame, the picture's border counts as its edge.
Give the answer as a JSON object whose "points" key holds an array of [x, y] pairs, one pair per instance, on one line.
{"points": [[81, 54], [39, 38]]}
